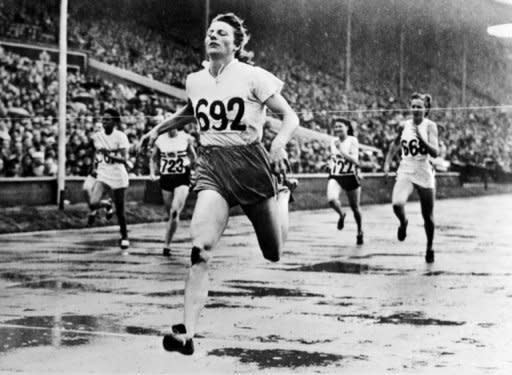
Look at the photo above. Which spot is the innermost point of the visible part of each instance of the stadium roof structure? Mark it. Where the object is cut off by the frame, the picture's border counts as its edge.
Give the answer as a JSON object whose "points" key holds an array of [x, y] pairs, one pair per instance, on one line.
{"points": [[507, 2], [501, 31]]}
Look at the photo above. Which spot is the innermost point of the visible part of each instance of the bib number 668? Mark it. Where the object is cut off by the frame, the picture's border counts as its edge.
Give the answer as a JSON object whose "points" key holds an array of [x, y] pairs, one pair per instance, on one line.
{"points": [[413, 147]]}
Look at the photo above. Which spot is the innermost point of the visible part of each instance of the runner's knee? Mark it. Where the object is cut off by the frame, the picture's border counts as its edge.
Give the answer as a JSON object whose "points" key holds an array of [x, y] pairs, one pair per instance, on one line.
{"points": [[398, 204], [355, 210], [332, 201], [198, 255]]}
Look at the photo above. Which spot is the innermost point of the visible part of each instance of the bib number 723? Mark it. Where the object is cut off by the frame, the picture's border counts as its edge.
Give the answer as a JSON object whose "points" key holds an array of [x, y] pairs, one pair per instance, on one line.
{"points": [[172, 166], [218, 112]]}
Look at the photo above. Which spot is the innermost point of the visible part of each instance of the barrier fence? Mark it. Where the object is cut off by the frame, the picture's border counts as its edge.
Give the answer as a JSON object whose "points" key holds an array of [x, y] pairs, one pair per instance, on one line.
{"points": [[36, 191]]}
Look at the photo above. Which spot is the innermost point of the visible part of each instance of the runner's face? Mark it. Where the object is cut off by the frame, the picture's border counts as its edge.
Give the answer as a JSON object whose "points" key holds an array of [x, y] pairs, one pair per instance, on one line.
{"points": [[340, 129], [108, 123], [418, 108], [220, 40]]}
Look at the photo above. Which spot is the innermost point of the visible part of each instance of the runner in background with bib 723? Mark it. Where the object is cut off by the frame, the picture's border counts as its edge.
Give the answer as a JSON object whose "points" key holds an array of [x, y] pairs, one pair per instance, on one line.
{"points": [[173, 155]]}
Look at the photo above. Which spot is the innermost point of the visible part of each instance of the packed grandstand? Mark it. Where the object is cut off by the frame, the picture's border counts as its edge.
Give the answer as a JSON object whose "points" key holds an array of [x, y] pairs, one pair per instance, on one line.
{"points": [[479, 134]]}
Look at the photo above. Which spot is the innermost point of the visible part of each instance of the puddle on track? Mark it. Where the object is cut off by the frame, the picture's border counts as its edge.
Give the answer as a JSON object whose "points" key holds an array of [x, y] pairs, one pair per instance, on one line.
{"points": [[262, 291], [416, 318], [278, 358], [65, 330], [342, 267]]}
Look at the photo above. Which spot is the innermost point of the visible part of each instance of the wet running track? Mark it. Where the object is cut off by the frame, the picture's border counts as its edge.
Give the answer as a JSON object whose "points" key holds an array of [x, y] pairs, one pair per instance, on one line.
{"points": [[72, 303]]}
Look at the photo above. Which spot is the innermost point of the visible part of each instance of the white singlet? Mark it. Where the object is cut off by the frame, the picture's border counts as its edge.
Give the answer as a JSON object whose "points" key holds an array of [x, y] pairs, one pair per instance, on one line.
{"points": [[415, 163], [338, 165], [112, 173], [229, 108], [173, 152]]}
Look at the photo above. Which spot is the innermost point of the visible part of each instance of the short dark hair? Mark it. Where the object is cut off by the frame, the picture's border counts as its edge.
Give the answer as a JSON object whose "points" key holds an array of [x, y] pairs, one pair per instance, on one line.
{"points": [[241, 35], [114, 113], [346, 122]]}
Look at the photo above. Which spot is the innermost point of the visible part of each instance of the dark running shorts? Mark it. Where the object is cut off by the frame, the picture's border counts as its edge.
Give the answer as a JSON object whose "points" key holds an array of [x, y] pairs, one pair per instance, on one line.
{"points": [[241, 174], [169, 182], [347, 183]]}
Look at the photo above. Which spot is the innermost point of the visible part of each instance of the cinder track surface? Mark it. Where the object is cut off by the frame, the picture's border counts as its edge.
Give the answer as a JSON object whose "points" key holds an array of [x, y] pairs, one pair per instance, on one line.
{"points": [[71, 302]]}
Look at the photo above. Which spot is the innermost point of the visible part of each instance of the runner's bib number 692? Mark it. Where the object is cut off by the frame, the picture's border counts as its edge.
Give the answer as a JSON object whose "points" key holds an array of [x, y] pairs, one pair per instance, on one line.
{"points": [[217, 115]]}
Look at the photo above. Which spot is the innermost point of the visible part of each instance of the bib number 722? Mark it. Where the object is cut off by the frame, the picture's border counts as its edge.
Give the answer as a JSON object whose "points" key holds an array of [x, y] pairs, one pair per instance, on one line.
{"points": [[218, 112], [340, 166]]}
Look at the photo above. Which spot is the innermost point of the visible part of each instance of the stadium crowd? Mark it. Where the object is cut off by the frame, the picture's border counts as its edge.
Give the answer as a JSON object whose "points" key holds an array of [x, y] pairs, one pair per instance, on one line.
{"points": [[28, 101], [29, 123]]}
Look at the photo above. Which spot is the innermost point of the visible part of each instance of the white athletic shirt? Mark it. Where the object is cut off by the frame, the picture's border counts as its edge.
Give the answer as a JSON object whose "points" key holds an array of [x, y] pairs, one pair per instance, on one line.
{"points": [[173, 152], [112, 173], [229, 108], [338, 165], [414, 154]]}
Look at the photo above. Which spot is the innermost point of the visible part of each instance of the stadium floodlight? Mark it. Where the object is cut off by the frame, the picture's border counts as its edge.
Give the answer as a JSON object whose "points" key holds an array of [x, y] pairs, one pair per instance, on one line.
{"points": [[500, 31]]}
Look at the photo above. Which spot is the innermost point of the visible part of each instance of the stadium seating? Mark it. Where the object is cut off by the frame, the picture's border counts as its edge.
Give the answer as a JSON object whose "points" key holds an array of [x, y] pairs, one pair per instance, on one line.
{"points": [[28, 100]]}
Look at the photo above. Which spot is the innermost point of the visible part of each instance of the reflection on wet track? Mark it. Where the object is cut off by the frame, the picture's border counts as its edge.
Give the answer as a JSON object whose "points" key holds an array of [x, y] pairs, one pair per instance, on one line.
{"points": [[328, 306]]}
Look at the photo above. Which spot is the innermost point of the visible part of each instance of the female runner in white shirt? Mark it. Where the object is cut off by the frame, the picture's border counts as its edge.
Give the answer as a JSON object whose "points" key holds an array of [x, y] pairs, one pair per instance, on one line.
{"points": [[344, 175], [228, 99], [173, 155], [418, 142]]}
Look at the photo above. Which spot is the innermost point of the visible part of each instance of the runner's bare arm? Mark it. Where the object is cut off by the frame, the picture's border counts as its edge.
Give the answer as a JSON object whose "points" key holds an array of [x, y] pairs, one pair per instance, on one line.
{"points": [[354, 159], [119, 156], [177, 121], [290, 122], [94, 165], [430, 141], [191, 151], [153, 162], [393, 149]]}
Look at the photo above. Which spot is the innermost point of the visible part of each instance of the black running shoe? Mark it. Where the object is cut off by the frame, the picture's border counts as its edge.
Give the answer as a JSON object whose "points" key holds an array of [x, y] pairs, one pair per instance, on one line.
{"points": [[341, 221], [91, 217], [176, 342], [429, 256], [124, 243], [166, 251], [360, 239], [402, 231], [109, 211]]}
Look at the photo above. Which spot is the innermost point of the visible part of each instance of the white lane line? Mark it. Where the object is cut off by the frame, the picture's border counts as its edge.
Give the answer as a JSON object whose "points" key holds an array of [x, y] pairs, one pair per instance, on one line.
{"points": [[64, 330], [239, 342], [107, 229], [53, 278]]}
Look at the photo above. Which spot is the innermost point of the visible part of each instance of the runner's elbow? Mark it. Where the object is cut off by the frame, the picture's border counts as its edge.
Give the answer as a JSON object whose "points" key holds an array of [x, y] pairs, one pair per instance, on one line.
{"points": [[434, 152]]}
